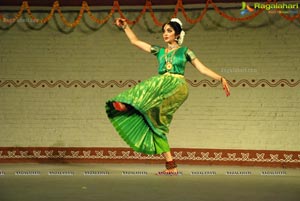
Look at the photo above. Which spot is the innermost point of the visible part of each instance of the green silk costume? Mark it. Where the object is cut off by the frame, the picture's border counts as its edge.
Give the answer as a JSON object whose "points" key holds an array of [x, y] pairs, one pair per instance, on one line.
{"points": [[153, 102]]}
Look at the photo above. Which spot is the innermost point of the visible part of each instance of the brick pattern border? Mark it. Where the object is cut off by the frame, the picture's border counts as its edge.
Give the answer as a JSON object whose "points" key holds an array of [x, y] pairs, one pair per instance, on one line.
{"points": [[266, 158]]}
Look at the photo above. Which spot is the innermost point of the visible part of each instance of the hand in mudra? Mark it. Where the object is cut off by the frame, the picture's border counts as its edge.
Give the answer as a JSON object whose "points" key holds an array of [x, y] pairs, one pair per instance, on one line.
{"points": [[225, 86], [120, 22]]}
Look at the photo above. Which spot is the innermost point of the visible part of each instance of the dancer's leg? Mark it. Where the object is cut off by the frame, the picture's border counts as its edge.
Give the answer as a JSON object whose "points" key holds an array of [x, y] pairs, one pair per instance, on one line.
{"points": [[120, 106], [171, 166]]}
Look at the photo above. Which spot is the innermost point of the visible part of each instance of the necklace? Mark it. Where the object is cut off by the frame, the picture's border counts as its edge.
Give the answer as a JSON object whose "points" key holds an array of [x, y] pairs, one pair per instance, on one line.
{"points": [[171, 47], [169, 61]]}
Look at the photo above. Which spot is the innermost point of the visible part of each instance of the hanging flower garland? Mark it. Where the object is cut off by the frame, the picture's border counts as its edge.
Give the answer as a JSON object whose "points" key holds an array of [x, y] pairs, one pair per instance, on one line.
{"points": [[95, 19], [198, 19], [147, 6], [223, 14]]}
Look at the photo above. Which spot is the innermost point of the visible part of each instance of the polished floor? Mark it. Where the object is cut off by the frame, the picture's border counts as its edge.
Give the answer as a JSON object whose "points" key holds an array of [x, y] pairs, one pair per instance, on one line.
{"points": [[138, 182]]}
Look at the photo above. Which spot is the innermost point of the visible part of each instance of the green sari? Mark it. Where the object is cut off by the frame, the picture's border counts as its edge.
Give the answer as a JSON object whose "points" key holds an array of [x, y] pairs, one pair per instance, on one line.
{"points": [[152, 103]]}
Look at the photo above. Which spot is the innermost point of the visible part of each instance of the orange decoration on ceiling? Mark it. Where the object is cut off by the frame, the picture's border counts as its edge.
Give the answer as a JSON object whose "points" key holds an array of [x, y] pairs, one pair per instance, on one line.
{"points": [[148, 6]]}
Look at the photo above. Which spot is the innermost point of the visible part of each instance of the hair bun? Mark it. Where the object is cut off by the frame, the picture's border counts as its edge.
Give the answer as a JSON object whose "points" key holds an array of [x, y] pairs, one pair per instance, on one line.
{"points": [[176, 20], [181, 37]]}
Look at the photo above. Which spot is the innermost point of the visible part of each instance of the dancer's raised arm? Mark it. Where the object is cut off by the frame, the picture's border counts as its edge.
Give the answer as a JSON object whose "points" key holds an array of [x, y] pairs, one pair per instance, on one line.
{"points": [[208, 72], [131, 35]]}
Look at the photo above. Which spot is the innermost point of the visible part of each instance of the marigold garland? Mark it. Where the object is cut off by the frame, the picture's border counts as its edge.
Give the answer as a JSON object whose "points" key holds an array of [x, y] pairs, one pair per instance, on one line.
{"points": [[147, 6]]}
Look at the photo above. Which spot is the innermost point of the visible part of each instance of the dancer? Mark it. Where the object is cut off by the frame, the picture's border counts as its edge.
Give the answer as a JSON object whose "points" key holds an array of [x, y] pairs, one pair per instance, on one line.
{"points": [[142, 114]]}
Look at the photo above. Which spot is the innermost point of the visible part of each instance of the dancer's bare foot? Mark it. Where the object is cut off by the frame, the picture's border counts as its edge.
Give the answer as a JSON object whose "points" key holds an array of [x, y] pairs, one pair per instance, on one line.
{"points": [[169, 172], [121, 107], [171, 169]]}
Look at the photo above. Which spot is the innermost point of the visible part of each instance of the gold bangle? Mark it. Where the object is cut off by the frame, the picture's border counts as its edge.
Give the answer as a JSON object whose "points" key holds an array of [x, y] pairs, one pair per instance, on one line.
{"points": [[124, 26]]}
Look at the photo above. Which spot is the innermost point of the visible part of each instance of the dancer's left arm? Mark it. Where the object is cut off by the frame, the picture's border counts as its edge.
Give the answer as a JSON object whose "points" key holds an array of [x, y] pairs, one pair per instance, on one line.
{"points": [[206, 71]]}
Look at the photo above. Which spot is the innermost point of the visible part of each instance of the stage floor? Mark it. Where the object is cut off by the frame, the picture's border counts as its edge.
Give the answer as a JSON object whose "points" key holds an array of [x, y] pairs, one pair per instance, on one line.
{"points": [[138, 182]]}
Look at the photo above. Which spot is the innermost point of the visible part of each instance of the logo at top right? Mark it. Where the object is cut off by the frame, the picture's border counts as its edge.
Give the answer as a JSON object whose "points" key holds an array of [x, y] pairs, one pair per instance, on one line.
{"points": [[286, 8]]}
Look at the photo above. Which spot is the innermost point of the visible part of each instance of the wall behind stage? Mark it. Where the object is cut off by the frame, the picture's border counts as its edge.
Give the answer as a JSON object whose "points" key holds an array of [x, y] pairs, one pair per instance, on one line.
{"points": [[54, 82]]}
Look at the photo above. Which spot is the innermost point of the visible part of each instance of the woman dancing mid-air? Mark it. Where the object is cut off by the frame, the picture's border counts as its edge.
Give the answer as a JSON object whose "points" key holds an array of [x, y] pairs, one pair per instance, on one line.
{"points": [[142, 114]]}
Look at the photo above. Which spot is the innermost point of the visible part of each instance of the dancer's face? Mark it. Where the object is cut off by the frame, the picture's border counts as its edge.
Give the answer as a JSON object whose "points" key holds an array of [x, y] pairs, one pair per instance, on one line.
{"points": [[169, 34]]}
